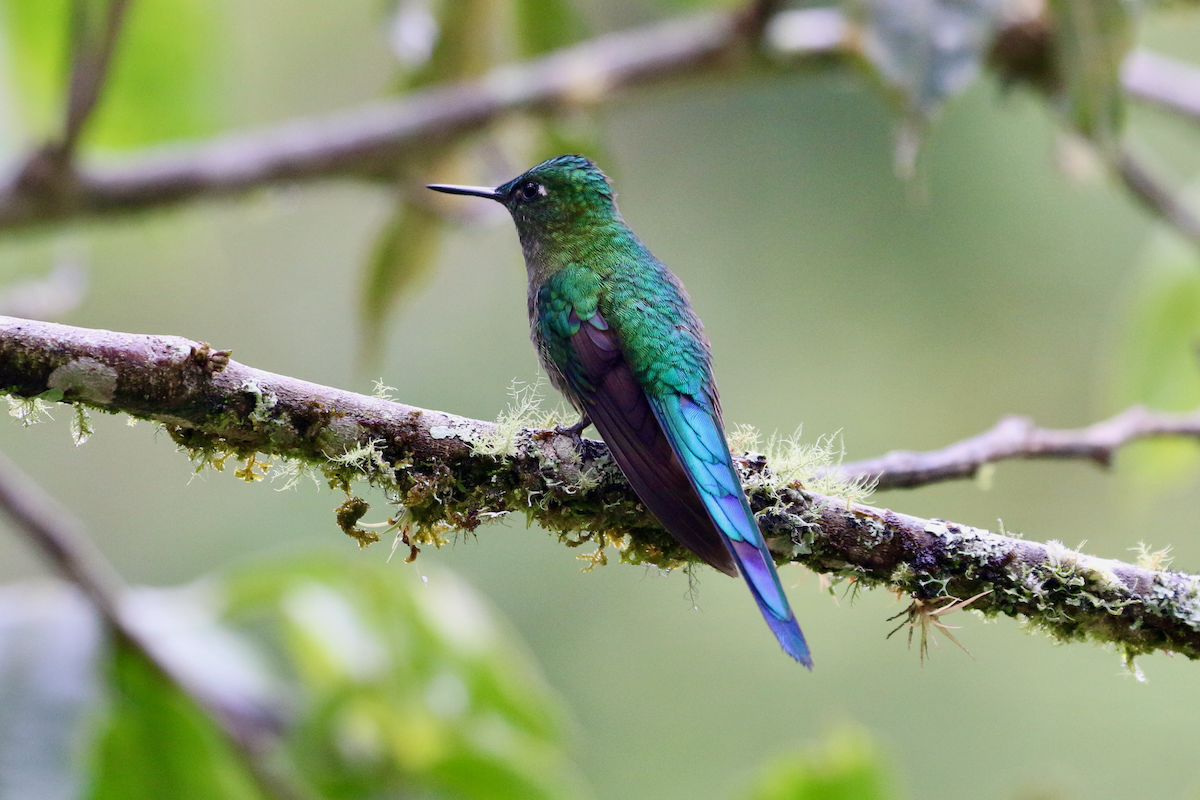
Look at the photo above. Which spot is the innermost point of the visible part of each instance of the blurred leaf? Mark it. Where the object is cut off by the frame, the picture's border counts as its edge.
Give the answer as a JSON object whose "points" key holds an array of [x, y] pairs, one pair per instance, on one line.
{"points": [[545, 25], [38, 33], [158, 745], [926, 50], [161, 83], [404, 685], [466, 42], [407, 244], [576, 134], [846, 766], [404, 254], [49, 637], [1092, 38], [1160, 360]]}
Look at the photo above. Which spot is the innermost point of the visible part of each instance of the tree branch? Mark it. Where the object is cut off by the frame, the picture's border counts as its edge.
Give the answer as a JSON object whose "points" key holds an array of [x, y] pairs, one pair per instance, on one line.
{"points": [[1158, 198], [1019, 438], [93, 51], [1164, 82], [372, 141], [49, 176], [452, 472]]}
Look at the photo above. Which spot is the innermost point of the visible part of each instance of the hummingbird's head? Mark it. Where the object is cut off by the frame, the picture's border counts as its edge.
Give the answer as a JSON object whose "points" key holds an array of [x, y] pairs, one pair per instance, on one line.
{"points": [[563, 192]]}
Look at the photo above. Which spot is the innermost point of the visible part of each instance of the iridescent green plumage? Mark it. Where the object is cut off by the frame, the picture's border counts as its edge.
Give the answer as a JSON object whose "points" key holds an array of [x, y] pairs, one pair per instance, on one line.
{"points": [[617, 335]]}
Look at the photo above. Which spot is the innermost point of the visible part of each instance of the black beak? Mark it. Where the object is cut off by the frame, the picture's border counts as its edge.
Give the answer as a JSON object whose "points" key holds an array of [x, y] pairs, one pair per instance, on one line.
{"points": [[473, 191]]}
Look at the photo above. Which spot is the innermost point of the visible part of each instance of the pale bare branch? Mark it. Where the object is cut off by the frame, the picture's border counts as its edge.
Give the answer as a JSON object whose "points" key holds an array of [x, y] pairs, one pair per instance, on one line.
{"points": [[1016, 437]]}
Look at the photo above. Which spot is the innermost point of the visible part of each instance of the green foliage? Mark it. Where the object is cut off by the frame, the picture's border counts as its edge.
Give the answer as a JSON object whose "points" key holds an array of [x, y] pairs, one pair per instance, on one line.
{"points": [[466, 42], [397, 686], [1160, 361], [846, 766], [403, 685], [161, 81], [81, 425], [407, 244], [405, 249], [1091, 40], [38, 34], [157, 743], [544, 25]]}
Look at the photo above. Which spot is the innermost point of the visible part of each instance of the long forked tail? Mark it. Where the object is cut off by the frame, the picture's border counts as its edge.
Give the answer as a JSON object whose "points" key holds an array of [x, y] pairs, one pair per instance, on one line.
{"points": [[698, 441], [759, 571]]}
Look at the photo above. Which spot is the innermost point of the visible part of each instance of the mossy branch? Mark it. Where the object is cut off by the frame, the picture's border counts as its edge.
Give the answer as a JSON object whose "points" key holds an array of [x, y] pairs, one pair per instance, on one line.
{"points": [[439, 468]]}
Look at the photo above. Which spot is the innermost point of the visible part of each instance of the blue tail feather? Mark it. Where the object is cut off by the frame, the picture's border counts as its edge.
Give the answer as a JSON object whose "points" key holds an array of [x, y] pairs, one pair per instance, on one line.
{"points": [[695, 436]]}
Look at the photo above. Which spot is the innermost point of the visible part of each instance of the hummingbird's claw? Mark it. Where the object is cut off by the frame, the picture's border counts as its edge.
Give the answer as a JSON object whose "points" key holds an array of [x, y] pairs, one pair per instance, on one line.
{"points": [[574, 431]]}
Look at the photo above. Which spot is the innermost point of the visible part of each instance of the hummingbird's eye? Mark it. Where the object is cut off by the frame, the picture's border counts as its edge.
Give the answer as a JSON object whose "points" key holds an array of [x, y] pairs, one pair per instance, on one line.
{"points": [[531, 190]]}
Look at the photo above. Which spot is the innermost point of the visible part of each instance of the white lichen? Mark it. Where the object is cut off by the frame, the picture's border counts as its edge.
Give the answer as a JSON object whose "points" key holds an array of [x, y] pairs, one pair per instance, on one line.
{"points": [[1153, 559], [264, 401], [292, 471], [524, 411], [790, 461], [85, 379], [367, 459], [383, 392]]}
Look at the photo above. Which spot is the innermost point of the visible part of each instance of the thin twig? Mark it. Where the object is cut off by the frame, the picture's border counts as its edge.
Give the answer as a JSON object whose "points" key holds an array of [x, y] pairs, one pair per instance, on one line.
{"points": [[437, 464], [92, 56], [1017, 437], [1166, 82], [1160, 199], [60, 537]]}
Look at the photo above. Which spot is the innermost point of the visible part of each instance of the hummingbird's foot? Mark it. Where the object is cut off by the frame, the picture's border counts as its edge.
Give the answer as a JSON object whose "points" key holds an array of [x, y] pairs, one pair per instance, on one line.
{"points": [[574, 431]]}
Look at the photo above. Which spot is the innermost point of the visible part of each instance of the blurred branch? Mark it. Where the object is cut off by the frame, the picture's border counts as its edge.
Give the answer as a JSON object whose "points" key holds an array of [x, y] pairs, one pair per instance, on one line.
{"points": [[61, 539], [93, 51], [372, 141], [437, 465], [1157, 197], [49, 178], [1016, 437], [1165, 82]]}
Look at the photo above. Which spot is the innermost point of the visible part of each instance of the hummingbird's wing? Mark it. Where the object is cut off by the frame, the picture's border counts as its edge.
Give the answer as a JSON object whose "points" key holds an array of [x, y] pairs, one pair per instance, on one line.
{"points": [[621, 411], [672, 449]]}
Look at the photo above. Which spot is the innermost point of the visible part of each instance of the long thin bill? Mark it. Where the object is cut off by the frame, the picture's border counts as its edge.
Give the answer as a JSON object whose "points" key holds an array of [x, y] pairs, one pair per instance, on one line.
{"points": [[473, 191]]}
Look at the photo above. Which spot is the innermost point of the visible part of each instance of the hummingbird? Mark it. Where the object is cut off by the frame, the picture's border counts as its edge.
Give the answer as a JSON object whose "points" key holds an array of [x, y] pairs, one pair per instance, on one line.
{"points": [[616, 334]]}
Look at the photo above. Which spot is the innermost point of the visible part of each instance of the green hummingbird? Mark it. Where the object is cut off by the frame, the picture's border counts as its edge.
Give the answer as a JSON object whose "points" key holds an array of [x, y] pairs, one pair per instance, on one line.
{"points": [[617, 335]]}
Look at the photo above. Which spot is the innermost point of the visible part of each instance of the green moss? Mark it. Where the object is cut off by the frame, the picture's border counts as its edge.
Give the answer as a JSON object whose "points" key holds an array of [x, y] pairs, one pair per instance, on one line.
{"points": [[31, 410], [81, 425], [348, 515]]}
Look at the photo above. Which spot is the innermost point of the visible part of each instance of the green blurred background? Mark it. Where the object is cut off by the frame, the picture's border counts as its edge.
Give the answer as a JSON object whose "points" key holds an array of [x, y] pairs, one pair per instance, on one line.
{"points": [[901, 314]]}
